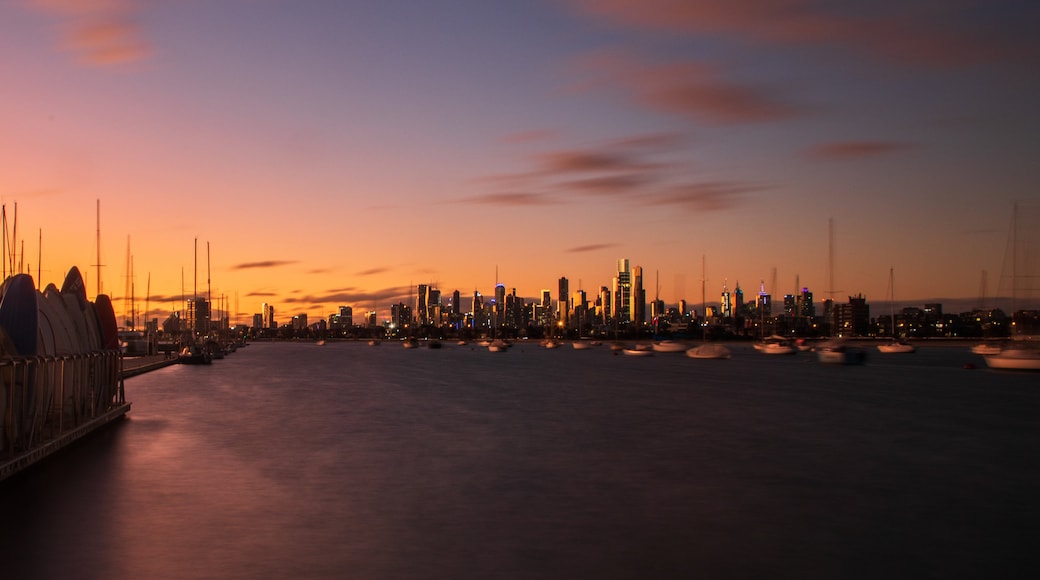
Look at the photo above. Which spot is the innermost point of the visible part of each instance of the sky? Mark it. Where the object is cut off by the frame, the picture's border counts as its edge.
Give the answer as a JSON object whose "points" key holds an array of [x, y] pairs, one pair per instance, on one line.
{"points": [[317, 153]]}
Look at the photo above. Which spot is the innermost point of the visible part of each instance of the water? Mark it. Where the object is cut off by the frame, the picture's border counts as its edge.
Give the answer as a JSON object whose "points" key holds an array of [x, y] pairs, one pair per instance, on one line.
{"points": [[347, 461]]}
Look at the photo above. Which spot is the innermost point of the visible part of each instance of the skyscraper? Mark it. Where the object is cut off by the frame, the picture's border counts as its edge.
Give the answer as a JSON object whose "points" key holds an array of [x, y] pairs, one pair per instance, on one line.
{"points": [[623, 291], [563, 306], [638, 307], [421, 311], [727, 302]]}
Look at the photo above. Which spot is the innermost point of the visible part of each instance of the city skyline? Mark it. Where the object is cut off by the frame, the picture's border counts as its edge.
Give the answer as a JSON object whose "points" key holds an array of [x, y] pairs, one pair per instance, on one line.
{"points": [[333, 154]]}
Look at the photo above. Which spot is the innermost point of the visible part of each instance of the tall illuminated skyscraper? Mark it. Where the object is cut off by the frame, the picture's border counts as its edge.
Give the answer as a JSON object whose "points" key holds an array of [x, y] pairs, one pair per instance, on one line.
{"points": [[638, 307], [563, 306], [727, 302], [500, 304], [623, 291], [422, 314]]}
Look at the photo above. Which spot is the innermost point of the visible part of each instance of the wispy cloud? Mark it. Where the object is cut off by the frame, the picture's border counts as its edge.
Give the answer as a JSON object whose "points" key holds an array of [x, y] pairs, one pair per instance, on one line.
{"points": [[696, 90], [591, 248], [99, 32], [261, 294], [358, 299], [264, 264], [372, 271], [704, 197], [842, 150], [511, 199], [636, 170], [920, 32]]}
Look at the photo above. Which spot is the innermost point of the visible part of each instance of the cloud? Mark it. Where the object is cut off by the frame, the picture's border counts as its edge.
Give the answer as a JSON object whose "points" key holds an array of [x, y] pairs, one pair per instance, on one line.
{"points": [[591, 248], [609, 184], [841, 150], [703, 197], [695, 90], [99, 32], [264, 264], [921, 32], [261, 294], [511, 199], [372, 271], [360, 299]]}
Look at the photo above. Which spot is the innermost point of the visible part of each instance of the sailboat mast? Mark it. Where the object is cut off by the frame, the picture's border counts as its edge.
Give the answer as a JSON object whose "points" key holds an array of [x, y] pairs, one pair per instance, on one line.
{"points": [[98, 247], [209, 292]]}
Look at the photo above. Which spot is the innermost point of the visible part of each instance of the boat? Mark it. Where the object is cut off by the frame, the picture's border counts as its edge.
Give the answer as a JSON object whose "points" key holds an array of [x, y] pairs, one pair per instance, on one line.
{"points": [[374, 342], [410, 343], [582, 344], [896, 345], [1023, 352], [839, 352], [1020, 358], [498, 345], [195, 354], [775, 344], [669, 346], [60, 368], [639, 350], [709, 351], [987, 348], [550, 343]]}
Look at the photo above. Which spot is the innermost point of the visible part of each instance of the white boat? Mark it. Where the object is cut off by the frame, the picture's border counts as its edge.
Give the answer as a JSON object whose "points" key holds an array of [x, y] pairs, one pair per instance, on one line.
{"points": [[498, 345], [775, 344], [711, 351], [582, 345], [410, 343], [551, 343], [374, 342], [838, 352], [987, 348], [669, 346], [1023, 352], [639, 350], [1021, 358], [896, 346]]}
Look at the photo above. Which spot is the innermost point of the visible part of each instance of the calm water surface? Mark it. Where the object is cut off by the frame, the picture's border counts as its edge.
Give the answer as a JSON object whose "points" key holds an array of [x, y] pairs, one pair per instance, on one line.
{"points": [[347, 461]]}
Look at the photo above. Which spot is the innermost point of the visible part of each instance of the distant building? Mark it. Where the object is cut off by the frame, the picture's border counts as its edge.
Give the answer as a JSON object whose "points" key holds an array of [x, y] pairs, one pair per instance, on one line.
{"points": [[421, 312], [299, 322], [563, 304], [727, 302], [638, 306], [622, 291], [853, 318]]}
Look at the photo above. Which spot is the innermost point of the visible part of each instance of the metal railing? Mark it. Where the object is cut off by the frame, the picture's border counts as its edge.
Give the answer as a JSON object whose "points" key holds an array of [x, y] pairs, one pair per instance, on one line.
{"points": [[43, 397]]}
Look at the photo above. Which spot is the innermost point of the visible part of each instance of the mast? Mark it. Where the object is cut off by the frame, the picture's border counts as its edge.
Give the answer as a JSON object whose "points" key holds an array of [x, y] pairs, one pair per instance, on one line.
{"points": [[147, 297], [209, 292], [98, 246]]}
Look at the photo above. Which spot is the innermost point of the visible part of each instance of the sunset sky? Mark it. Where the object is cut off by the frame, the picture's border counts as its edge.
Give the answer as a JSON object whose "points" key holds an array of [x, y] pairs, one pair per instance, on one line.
{"points": [[334, 152]]}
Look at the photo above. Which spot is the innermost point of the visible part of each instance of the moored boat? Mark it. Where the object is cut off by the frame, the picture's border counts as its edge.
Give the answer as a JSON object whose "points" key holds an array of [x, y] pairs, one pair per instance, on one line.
{"points": [[1021, 358], [775, 345], [838, 352], [709, 351], [669, 346], [896, 346]]}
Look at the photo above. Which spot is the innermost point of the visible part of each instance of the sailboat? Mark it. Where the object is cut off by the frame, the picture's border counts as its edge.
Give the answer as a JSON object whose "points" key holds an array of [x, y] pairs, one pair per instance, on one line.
{"points": [[1023, 353], [896, 345]]}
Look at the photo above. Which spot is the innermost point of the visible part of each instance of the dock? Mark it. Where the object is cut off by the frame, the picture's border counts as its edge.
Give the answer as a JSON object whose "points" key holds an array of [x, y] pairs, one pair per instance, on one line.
{"points": [[66, 435]]}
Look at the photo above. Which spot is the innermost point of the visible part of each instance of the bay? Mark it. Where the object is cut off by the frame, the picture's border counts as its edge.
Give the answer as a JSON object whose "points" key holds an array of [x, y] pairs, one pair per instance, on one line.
{"points": [[290, 460]]}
